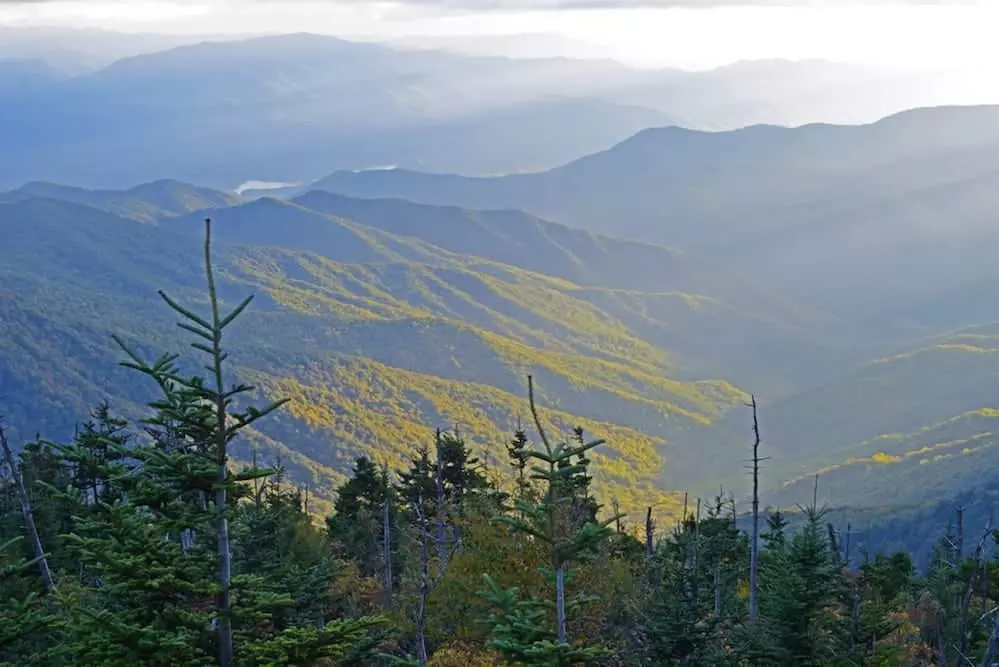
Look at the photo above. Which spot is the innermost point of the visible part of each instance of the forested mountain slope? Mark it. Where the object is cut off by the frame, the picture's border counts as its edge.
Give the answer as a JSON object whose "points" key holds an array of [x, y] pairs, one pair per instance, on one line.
{"points": [[692, 188], [415, 311], [379, 336], [886, 229], [885, 226], [930, 436]]}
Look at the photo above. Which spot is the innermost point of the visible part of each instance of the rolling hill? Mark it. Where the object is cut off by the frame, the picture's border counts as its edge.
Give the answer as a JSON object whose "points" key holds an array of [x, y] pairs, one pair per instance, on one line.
{"points": [[879, 225], [884, 229], [377, 334], [846, 284], [146, 203], [934, 401]]}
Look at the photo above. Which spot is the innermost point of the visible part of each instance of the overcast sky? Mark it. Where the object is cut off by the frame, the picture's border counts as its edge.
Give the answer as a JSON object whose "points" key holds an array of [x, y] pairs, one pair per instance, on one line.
{"points": [[684, 33]]}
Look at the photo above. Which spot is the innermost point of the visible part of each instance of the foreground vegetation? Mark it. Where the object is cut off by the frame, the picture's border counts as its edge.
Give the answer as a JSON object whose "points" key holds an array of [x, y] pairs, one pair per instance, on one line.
{"points": [[144, 543]]}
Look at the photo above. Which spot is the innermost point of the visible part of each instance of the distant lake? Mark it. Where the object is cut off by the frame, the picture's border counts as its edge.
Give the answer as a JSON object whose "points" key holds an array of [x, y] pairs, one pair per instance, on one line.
{"points": [[263, 185]]}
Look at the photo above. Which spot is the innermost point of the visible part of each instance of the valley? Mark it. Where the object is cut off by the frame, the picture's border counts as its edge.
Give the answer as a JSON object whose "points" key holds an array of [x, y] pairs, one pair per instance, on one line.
{"points": [[650, 276], [467, 335], [387, 307]]}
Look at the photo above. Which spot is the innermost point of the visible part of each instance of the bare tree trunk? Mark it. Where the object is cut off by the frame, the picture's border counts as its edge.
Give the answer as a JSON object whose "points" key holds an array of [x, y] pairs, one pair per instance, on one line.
{"points": [[993, 647], [718, 595], [695, 580], [29, 518], [187, 535], [985, 590], [846, 554], [833, 541], [222, 460], [969, 593], [441, 509], [225, 575], [387, 543], [421, 611], [257, 491], [427, 584], [650, 530], [563, 635], [754, 550], [959, 547]]}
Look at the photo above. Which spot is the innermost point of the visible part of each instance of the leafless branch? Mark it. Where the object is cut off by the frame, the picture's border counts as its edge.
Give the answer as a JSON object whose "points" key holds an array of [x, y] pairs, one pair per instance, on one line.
{"points": [[534, 412]]}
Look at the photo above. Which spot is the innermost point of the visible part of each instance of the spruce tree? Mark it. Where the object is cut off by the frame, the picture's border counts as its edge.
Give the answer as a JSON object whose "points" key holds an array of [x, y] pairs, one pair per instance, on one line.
{"points": [[520, 627], [26, 616], [801, 580], [517, 451], [159, 551], [356, 525], [694, 602]]}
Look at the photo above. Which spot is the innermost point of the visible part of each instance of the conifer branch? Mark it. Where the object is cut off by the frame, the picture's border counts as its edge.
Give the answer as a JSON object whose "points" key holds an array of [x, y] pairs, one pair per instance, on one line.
{"points": [[184, 311], [228, 319]]}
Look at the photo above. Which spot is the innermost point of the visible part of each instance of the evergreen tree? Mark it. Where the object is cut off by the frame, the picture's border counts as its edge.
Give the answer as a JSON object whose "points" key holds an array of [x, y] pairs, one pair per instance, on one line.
{"points": [[800, 597], [518, 453], [356, 526], [460, 474], [159, 551], [695, 602], [520, 629], [27, 618]]}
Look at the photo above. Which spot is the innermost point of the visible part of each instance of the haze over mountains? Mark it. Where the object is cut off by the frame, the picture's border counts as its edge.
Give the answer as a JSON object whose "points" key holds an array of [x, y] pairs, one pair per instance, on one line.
{"points": [[818, 212], [293, 107]]}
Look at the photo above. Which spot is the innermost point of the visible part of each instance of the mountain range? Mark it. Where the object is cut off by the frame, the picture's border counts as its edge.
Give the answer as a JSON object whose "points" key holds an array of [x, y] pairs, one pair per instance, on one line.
{"points": [[292, 107], [376, 332], [840, 273], [877, 237], [815, 213]]}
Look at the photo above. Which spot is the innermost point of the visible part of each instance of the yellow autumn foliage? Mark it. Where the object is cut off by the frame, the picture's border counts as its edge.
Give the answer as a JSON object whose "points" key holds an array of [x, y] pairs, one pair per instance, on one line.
{"points": [[457, 654]]}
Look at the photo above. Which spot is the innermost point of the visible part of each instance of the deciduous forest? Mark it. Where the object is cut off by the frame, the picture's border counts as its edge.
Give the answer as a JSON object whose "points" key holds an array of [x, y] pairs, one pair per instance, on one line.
{"points": [[144, 543]]}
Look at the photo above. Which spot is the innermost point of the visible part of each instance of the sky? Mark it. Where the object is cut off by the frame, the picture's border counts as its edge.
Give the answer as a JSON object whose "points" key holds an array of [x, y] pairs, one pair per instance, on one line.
{"points": [[692, 34]]}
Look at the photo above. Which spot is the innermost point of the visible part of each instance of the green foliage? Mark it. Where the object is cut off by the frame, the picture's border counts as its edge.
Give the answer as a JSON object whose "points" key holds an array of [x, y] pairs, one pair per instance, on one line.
{"points": [[357, 522], [800, 587], [695, 603], [522, 631], [563, 520], [147, 533], [164, 531], [26, 619], [345, 642]]}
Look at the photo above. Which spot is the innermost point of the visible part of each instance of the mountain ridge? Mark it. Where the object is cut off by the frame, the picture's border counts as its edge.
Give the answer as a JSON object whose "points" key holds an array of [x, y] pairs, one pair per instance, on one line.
{"points": [[361, 313], [672, 350]]}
